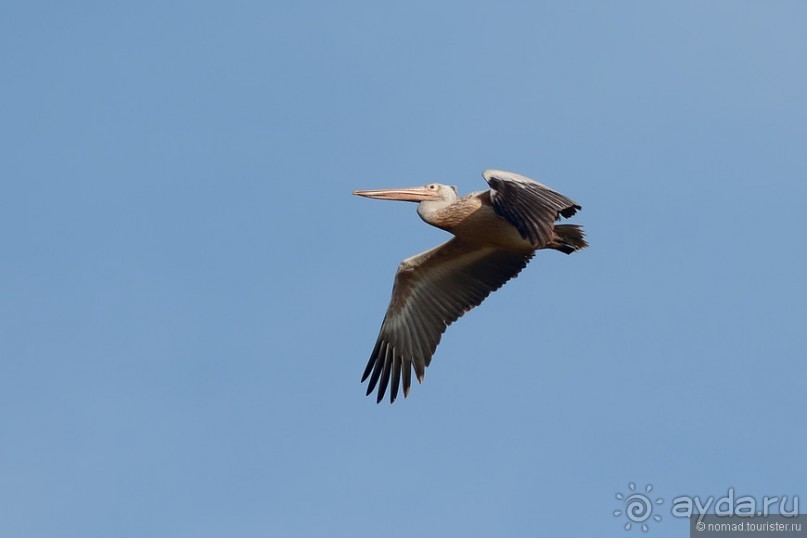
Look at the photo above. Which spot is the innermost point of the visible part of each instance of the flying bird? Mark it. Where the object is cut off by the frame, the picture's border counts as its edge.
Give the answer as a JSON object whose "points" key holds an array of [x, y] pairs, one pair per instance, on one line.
{"points": [[496, 233]]}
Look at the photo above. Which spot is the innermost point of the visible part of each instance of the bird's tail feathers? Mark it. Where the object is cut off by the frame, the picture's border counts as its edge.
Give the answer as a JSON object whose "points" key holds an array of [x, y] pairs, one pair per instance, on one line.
{"points": [[568, 238]]}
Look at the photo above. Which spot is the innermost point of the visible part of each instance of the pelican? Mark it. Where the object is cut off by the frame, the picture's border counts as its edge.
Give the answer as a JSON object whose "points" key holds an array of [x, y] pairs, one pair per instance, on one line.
{"points": [[496, 233]]}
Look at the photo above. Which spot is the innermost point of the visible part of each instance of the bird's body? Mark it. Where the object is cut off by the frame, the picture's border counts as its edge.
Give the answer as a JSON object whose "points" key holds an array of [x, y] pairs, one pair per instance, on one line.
{"points": [[473, 219], [496, 234]]}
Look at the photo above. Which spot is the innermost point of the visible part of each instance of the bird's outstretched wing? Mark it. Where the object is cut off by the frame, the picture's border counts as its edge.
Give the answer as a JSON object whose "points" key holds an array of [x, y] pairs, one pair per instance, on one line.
{"points": [[431, 291], [531, 207]]}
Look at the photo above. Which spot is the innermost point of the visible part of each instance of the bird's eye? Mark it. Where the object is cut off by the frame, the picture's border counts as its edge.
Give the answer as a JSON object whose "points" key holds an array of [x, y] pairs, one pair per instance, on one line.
{"points": [[433, 187]]}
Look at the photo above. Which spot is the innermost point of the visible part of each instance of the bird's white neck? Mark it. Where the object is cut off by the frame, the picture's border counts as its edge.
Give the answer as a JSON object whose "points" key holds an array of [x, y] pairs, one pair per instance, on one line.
{"points": [[429, 211]]}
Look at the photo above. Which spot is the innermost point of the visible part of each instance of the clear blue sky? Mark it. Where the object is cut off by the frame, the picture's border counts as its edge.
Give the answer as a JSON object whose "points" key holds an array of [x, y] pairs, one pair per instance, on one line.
{"points": [[189, 292]]}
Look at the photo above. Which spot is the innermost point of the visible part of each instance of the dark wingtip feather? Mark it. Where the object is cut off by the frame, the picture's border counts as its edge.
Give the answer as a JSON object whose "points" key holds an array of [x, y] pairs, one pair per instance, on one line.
{"points": [[407, 377], [371, 362], [396, 378], [385, 374], [367, 370], [378, 367], [570, 211]]}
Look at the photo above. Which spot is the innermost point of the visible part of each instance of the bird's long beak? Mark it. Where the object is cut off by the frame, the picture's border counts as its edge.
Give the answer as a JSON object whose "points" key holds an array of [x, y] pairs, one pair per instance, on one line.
{"points": [[413, 194]]}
